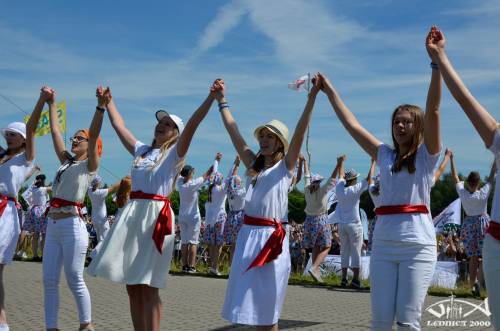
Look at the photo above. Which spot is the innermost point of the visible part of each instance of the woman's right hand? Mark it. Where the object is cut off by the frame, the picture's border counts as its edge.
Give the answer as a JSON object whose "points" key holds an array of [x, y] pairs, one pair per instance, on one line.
{"points": [[218, 90], [434, 43], [47, 94], [326, 85], [103, 96]]}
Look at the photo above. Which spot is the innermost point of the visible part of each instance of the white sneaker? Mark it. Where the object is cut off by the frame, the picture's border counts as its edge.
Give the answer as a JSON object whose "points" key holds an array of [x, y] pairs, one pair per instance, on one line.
{"points": [[213, 272], [315, 275]]}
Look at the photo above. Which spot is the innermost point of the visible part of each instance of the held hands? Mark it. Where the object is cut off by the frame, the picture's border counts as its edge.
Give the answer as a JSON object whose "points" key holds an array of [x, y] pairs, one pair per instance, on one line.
{"points": [[448, 153], [47, 94], [237, 161], [103, 96], [326, 86], [341, 159], [218, 90], [317, 84], [302, 158], [435, 42], [218, 156]]}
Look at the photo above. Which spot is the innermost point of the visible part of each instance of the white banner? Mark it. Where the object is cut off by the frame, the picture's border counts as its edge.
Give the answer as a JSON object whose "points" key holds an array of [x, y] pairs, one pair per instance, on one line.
{"points": [[445, 273], [451, 214]]}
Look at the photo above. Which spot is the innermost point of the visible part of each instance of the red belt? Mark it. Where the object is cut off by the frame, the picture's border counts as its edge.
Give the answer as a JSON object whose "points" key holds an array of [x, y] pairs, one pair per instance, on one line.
{"points": [[494, 230], [274, 245], [59, 203], [4, 200], [402, 209], [163, 224]]}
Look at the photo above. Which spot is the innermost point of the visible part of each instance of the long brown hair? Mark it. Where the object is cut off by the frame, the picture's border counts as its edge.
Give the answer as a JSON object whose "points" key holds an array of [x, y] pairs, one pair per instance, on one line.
{"points": [[123, 192], [408, 160]]}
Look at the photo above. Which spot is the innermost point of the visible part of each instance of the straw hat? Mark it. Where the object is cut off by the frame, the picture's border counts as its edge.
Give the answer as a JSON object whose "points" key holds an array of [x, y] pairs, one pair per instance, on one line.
{"points": [[350, 175], [276, 127]]}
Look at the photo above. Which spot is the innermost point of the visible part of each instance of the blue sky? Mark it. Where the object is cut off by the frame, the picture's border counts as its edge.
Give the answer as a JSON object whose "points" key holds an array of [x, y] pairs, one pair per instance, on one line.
{"points": [[160, 54]]}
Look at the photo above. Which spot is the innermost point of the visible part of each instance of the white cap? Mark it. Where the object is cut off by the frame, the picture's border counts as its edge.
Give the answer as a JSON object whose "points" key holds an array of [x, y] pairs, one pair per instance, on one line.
{"points": [[17, 127], [160, 114]]}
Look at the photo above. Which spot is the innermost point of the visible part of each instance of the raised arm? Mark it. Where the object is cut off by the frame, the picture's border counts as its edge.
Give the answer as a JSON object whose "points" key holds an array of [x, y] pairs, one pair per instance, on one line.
{"points": [[126, 137], [432, 135], [483, 121], [443, 165], [365, 139], [307, 174], [340, 164], [55, 129], [217, 159], [454, 174], [493, 172], [299, 170], [95, 129], [292, 155], [371, 172], [193, 123], [236, 166], [46, 94], [245, 153]]}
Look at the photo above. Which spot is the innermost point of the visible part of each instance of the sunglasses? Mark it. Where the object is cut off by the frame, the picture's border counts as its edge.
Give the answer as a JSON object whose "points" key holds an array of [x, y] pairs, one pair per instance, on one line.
{"points": [[77, 139]]}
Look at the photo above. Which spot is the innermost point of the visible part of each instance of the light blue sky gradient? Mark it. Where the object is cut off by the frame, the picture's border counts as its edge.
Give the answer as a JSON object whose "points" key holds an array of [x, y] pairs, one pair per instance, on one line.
{"points": [[159, 54]]}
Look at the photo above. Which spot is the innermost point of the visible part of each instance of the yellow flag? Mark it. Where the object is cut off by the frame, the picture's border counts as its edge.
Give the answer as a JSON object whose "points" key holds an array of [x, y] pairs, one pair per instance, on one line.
{"points": [[44, 125]]}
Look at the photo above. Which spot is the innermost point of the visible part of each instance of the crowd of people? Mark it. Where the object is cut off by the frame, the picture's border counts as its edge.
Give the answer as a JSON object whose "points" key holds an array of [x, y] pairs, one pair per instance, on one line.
{"points": [[137, 249]]}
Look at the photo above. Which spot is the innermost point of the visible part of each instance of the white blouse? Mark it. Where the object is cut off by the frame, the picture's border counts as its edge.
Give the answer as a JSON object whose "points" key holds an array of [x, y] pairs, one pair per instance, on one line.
{"points": [[474, 203], [398, 188], [13, 174]]}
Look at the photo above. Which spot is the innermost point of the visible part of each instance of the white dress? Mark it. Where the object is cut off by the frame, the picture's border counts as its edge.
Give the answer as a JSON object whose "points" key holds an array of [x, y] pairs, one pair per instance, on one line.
{"points": [[13, 173], [128, 253], [256, 296]]}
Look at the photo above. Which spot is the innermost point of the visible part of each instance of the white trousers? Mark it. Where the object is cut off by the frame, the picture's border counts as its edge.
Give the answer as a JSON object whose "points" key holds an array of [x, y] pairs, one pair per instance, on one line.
{"points": [[101, 229], [190, 229], [351, 241], [65, 244], [491, 267], [400, 274]]}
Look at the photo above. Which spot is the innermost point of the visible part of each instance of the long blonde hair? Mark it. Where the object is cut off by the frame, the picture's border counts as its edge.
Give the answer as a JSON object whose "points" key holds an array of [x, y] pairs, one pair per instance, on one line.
{"points": [[163, 150], [408, 160]]}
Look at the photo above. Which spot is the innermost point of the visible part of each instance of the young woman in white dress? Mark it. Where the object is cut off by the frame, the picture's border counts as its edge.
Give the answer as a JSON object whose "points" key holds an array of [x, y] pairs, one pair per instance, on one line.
{"points": [[261, 264], [138, 249], [404, 240], [16, 163], [489, 131]]}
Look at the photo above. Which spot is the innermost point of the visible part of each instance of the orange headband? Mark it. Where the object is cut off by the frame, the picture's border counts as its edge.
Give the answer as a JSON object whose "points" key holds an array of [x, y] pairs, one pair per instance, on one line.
{"points": [[99, 141]]}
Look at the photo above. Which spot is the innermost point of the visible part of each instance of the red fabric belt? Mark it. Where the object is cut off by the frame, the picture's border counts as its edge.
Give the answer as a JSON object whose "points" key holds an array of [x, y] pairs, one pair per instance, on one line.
{"points": [[273, 246], [163, 226], [59, 203], [4, 200], [494, 230], [402, 209]]}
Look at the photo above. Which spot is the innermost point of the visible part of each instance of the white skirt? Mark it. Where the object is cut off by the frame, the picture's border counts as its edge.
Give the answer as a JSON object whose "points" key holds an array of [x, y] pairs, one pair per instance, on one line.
{"points": [[10, 230], [128, 253], [256, 297]]}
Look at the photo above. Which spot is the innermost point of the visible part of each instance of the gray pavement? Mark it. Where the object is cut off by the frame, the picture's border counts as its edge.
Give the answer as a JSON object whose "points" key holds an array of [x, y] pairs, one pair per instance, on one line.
{"points": [[194, 303]]}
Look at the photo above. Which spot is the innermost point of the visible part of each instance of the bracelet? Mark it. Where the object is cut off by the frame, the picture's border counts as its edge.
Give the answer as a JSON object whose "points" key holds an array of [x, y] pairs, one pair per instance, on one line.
{"points": [[223, 105], [434, 66], [101, 109]]}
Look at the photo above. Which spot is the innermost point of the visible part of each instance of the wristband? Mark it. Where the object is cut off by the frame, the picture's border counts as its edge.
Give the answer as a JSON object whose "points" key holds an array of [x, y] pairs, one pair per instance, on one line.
{"points": [[434, 66], [101, 109], [223, 105]]}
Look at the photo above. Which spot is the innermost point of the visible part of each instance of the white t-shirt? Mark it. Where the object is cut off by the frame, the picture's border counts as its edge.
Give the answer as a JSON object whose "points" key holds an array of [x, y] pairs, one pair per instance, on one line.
{"points": [[98, 199], [348, 200], [495, 148], [74, 180], [13, 173], [375, 197], [474, 203], [399, 188], [269, 197], [39, 196], [188, 196], [235, 197], [217, 206], [160, 179]]}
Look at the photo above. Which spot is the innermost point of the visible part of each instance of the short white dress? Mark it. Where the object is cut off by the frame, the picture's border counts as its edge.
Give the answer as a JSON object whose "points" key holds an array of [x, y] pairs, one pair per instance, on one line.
{"points": [[13, 173], [256, 296], [128, 253]]}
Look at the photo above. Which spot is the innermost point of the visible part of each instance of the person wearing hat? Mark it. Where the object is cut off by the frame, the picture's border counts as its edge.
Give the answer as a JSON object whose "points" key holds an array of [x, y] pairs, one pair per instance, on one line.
{"points": [[404, 241], [348, 192], [99, 214], [317, 233], [67, 238], [261, 264], [189, 215], [488, 129], [16, 163], [138, 249], [36, 222], [236, 202], [215, 216]]}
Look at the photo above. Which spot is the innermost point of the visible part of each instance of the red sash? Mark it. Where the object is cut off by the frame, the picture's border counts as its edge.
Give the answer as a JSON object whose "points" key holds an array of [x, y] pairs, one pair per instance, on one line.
{"points": [[494, 230], [4, 200], [59, 203], [274, 245], [163, 224], [402, 209]]}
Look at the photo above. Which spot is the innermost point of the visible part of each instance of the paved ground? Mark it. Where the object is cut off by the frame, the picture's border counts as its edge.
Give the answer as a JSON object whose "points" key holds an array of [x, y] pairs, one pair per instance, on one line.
{"points": [[193, 303]]}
